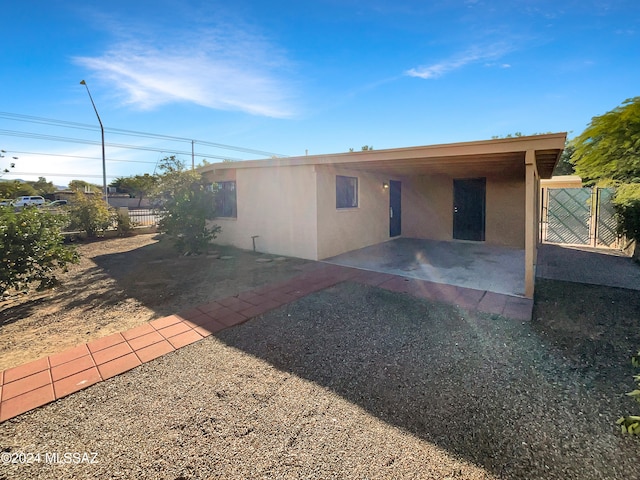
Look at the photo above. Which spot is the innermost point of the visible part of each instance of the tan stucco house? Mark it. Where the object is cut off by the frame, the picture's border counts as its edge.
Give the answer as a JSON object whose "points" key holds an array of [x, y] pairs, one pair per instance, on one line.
{"points": [[319, 206]]}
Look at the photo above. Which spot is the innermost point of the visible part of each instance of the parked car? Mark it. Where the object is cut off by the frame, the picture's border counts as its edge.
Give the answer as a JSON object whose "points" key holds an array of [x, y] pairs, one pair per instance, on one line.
{"points": [[28, 200], [5, 202], [57, 203]]}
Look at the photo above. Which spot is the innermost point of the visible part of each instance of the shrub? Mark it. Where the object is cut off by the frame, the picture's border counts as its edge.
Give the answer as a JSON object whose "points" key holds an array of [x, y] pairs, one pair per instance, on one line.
{"points": [[627, 205], [631, 423], [187, 204], [90, 214], [31, 248], [123, 223]]}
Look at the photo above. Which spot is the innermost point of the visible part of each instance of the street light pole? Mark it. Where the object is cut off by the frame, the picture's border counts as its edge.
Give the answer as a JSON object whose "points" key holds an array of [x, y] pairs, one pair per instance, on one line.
{"points": [[104, 164]]}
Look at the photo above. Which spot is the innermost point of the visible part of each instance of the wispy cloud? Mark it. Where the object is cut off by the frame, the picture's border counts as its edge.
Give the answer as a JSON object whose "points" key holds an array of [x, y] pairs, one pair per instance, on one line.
{"points": [[228, 70], [471, 56]]}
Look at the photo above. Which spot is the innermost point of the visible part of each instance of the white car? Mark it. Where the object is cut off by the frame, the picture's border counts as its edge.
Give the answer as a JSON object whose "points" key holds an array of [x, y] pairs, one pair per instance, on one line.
{"points": [[28, 200]]}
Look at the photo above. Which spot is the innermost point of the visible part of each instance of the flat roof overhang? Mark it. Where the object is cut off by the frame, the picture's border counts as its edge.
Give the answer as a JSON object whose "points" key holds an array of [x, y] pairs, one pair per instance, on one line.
{"points": [[466, 158]]}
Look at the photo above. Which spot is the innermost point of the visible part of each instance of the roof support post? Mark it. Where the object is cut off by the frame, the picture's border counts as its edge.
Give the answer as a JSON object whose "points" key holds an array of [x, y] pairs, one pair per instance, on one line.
{"points": [[531, 222]]}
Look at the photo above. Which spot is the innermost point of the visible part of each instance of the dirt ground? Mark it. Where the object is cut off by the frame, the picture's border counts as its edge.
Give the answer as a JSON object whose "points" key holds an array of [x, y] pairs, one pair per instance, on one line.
{"points": [[123, 282]]}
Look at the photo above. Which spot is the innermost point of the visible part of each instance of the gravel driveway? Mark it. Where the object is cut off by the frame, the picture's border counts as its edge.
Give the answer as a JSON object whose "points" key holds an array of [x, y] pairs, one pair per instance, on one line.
{"points": [[350, 382]]}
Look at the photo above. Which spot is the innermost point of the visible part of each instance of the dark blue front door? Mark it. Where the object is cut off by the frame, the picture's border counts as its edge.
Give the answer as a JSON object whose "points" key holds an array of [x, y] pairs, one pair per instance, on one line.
{"points": [[395, 208]]}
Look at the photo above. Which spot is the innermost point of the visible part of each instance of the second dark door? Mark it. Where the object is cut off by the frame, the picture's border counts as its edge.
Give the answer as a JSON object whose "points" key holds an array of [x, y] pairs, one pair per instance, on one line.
{"points": [[469, 198]]}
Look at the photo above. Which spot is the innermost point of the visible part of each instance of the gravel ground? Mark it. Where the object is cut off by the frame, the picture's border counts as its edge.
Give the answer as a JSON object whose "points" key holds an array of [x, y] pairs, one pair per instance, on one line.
{"points": [[354, 382]]}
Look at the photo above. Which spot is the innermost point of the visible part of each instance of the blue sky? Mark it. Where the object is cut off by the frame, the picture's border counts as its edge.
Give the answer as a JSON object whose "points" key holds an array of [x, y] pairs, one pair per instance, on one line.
{"points": [[293, 76]]}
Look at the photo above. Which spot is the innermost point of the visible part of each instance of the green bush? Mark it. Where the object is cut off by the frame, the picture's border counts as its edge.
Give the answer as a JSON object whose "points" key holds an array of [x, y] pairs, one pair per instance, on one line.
{"points": [[90, 214], [627, 205], [184, 220], [631, 423], [186, 205], [123, 223], [31, 248]]}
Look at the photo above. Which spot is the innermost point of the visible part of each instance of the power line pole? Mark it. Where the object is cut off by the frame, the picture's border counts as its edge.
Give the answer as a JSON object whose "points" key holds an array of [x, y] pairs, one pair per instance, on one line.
{"points": [[104, 163]]}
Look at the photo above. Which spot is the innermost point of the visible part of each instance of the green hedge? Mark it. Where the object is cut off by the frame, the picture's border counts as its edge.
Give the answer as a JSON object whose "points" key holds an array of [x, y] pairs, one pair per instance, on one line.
{"points": [[627, 205]]}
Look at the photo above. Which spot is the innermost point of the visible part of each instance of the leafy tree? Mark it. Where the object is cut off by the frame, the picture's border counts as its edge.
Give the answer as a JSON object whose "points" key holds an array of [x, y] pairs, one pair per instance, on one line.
{"points": [[42, 187], [608, 153], [82, 186], [118, 183], [31, 248], [138, 186], [187, 205], [510, 135], [6, 189], [16, 188], [564, 165], [90, 214], [609, 148], [364, 148]]}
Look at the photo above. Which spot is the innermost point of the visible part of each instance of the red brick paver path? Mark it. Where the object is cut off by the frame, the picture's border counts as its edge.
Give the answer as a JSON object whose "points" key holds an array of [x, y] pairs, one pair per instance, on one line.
{"points": [[45, 380]]}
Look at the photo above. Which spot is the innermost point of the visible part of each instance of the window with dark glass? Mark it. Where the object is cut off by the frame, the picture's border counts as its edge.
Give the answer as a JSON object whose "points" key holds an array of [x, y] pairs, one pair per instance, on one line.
{"points": [[346, 192], [226, 200]]}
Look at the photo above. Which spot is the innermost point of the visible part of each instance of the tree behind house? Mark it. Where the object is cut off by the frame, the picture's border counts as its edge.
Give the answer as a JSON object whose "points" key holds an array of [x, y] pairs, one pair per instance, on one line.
{"points": [[137, 186], [607, 153]]}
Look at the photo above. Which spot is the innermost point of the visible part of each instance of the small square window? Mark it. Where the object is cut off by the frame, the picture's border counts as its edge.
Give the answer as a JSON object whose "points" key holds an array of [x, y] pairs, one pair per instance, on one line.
{"points": [[226, 200], [346, 192]]}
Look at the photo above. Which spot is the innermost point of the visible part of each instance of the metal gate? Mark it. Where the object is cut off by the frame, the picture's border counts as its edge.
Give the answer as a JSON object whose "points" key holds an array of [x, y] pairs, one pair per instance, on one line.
{"points": [[606, 223], [579, 216]]}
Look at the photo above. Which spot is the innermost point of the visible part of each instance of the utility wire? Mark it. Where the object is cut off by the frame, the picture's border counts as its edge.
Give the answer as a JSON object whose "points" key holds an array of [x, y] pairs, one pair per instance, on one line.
{"points": [[56, 138], [40, 174], [82, 157], [120, 131]]}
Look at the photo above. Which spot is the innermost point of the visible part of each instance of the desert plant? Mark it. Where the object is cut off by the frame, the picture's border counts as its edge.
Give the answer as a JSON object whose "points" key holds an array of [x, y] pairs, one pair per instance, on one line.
{"points": [[90, 214], [32, 248], [631, 423]]}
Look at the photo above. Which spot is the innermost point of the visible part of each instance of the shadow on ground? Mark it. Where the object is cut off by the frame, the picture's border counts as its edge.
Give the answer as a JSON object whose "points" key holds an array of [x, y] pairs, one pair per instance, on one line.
{"points": [[582, 264], [521, 400], [65, 297], [167, 282], [154, 276]]}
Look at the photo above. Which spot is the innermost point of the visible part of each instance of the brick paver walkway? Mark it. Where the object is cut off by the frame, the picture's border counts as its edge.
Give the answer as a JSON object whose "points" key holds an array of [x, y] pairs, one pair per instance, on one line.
{"points": [[45, 380]]}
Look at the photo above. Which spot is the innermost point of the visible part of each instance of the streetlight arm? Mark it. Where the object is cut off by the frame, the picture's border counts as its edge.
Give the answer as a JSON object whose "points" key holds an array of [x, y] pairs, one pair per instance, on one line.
{"points": [[104, 163], [92, 103]]}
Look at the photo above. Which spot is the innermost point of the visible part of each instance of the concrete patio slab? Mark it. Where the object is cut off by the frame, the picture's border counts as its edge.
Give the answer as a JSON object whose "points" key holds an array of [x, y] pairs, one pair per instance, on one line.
{"points": [[464, 264]]}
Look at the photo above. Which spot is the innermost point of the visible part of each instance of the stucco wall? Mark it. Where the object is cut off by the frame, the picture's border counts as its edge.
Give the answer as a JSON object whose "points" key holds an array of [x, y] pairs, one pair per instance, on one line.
{"points": [[278, 204], [427, 209], [293, 210], [343, 230], [505, 211]]}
